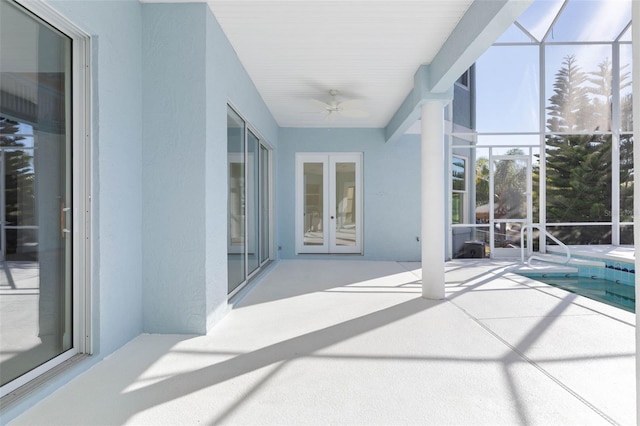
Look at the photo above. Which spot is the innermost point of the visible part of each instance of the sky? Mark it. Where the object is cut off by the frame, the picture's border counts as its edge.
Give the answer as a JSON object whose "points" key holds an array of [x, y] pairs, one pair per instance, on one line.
{"points": [[504, 71]]}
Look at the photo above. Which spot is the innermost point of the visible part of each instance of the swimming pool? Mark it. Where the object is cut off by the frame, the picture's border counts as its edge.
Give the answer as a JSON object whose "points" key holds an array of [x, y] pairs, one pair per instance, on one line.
{"points": [[619, 295]]}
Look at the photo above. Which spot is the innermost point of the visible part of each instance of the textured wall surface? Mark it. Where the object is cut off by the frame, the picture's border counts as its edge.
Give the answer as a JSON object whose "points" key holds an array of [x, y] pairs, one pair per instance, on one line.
{"points": [[190, 74], [391, 183], [227, 81], [116, 151], [174, 111]]}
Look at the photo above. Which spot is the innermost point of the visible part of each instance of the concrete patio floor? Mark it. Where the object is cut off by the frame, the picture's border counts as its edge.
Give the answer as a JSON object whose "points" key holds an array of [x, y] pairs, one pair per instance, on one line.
{"points": [[349, 342]]}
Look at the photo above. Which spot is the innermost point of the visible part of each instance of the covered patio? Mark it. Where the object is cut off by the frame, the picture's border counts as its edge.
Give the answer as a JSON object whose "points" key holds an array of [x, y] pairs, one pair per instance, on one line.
{"points": [[353, 342]]}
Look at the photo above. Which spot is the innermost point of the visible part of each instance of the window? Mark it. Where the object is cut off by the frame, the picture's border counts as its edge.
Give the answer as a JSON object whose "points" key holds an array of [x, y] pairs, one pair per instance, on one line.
{"points": [[463, 80], [459, 186], [43, 193], [248, 202]]}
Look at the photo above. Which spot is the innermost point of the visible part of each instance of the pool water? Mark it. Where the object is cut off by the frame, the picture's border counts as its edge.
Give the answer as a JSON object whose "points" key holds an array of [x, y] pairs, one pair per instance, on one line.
{"points": [[619, 295]]}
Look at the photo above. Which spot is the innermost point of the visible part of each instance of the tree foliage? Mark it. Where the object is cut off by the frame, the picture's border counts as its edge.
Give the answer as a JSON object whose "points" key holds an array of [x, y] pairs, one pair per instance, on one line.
{"points": [[579, 166]]}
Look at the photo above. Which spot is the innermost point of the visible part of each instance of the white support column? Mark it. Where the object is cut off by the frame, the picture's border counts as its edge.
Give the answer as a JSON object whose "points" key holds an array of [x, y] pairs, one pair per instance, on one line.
{"points": [[636, 180], [433, 198]]}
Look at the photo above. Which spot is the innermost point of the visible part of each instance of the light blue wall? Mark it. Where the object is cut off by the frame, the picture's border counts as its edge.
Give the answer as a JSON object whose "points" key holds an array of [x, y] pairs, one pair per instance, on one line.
{"points": [[116, 150], [191, 72], [391, 185], [227, 81], [173, 177], [116, 208]]}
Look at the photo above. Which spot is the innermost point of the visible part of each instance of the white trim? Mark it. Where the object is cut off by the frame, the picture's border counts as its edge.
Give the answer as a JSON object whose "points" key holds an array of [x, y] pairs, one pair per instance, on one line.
{"points": [[248, 128], [302, 158], [328, 161], [81, 189], [465, 215], [467, 86], [499, 252]]}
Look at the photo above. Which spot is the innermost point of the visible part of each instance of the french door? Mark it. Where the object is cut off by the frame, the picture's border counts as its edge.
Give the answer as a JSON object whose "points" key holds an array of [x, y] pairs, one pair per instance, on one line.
{"points": [[329, 203]]}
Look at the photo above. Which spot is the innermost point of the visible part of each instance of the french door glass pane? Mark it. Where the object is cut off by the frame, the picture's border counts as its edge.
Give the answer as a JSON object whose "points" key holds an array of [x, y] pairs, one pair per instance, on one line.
{"points": [[35, 193], [236, 244], [345, 214], [253, 202], [264, 203], [313, 204]]}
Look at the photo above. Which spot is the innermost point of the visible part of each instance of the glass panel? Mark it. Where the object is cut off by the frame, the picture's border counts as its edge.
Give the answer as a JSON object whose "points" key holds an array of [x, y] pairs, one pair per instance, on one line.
{"points": [[578, 178], [482, 186], [627, 34], [513, 34], [626, 178], [626, 83], [497, 109], [253, 203], [507, 235], [535, 184], [313, 204], [264, 203], [236, 243], [510, 189], [595, 20], [580, 235], [539, 16], [470, 242], [626, 234], [346, 204], [35, 193], [19, 190], [458, 172], [508, 141], [578, 88], [457, 207]]}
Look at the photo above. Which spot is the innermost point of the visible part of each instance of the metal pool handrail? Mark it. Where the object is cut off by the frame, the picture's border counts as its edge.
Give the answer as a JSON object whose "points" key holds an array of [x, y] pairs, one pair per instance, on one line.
{"points": [[547, 234]]}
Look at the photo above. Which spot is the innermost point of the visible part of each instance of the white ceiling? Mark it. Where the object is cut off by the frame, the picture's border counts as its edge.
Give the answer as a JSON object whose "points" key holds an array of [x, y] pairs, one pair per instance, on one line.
{"points": [[298, 50]]}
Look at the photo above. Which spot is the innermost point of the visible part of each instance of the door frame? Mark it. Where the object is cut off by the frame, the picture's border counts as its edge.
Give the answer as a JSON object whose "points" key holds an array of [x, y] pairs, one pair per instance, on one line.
{"points": [[501, 252], [328, 161]]}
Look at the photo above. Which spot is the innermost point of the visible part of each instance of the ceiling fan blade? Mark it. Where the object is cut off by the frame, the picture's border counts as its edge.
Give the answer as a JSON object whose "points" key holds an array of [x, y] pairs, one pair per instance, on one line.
{"points": [[321, 104], [352, 104], [354, 113]]}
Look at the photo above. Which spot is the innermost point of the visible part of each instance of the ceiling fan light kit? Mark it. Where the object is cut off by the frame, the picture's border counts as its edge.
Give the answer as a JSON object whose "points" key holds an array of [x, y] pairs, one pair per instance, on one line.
{"points": [[348, 108]]}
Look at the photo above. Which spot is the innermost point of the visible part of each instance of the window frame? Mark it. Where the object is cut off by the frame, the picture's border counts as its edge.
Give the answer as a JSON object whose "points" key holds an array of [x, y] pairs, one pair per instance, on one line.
{"points": [[81, 139], [262, 143], [463, 193], [464, 80]]}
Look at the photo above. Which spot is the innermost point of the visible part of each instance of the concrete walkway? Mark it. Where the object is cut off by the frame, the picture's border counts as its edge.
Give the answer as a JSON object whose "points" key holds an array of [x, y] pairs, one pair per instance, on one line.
{"points": [[353, 343]]}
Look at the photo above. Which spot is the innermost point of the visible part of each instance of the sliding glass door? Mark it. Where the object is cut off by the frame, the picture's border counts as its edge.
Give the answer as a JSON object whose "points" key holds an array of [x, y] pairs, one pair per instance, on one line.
{"points": [[36, 304], [248, 202]]}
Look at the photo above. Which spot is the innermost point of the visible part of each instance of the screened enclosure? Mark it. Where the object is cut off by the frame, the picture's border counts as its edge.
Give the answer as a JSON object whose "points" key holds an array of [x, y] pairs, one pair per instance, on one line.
{"points": [[551, 144]]}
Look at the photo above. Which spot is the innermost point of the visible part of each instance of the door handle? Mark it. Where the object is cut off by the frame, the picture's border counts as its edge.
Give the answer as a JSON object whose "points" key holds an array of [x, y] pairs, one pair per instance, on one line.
{"points": [[63, 220]]}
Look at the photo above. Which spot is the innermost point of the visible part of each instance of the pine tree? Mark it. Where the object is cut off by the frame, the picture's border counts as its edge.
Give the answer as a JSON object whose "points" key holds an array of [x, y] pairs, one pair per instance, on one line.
{"points": [[578, 167]]}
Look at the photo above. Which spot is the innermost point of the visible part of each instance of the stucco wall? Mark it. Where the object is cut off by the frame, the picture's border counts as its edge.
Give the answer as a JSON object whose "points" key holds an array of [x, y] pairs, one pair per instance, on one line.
{"points": [[227, 81], [391, 184], [174, 111], [190, 74], [116, 175]]}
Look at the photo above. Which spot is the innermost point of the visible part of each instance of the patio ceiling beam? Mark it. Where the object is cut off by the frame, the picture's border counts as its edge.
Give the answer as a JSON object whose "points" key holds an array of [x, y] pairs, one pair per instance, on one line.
{"points": [[482, 24], [478, 29]]}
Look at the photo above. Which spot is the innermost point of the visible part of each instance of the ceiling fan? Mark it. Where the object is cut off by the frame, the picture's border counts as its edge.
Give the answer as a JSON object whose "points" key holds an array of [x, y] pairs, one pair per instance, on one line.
{"points": [[348, 108]]}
